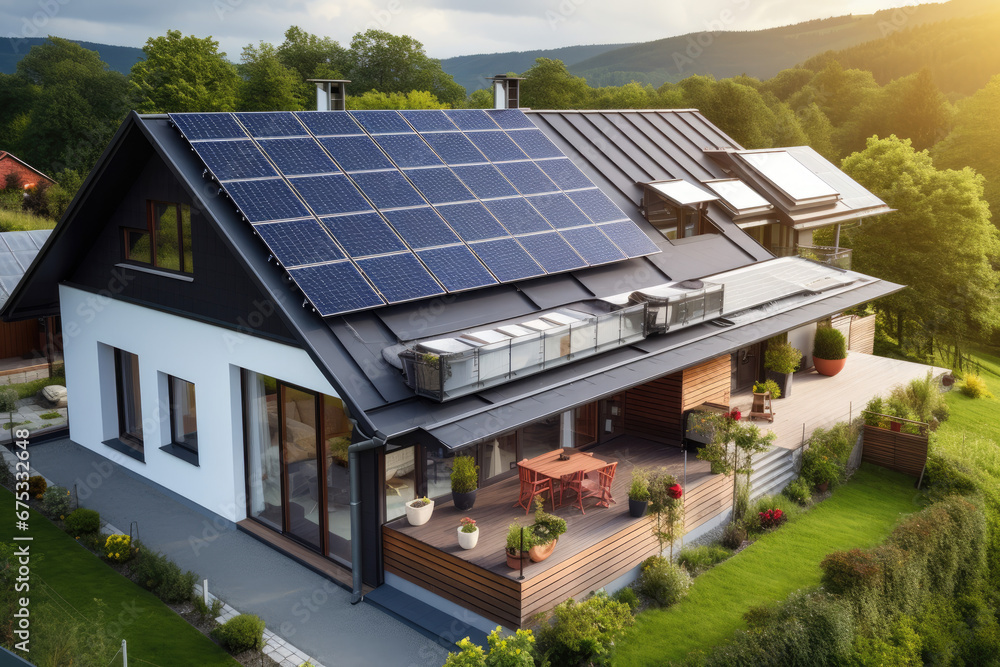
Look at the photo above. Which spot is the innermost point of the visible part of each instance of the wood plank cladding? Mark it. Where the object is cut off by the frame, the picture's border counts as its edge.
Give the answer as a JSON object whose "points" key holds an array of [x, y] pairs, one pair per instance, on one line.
{"points": [[707, 500], [903, 452], [707, 383], [19, 338], [859, 331]]}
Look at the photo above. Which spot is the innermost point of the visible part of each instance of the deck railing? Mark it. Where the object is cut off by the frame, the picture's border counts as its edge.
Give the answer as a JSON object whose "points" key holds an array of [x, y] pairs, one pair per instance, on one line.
{"points": [[838, 257]]}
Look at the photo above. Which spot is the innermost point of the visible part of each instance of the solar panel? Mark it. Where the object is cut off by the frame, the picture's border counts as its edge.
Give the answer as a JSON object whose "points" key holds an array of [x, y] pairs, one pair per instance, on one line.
{"points": [[266, 200], [565, 174], [380, 122], [428, 120], [527, 178], [325, 123], [485, 181], [230, 160], [439, 185], [597, 205], [496, 146], [454, 148], [408, 150], [335, 288], [331, 194], [198, 126], [298, 157], [456, 267], [299, 242], [400, 277], [789, 175], [510, 119], [535, 144], [592, 245], [552, 252], [507, 260], [629, 239], [272, 124], [363, 234], [421, 227], [356, 153], [472, 221], [518, 216], [471, 119], [560, 211], [388, 189]]}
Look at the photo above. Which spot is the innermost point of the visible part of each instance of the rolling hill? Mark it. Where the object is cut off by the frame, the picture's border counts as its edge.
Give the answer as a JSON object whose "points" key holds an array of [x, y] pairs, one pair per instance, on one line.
{"points": [[120, 58]]}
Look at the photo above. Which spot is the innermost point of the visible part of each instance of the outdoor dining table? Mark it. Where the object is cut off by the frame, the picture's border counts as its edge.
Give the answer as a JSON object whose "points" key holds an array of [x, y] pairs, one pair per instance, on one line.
{"points": [[549, 465]]}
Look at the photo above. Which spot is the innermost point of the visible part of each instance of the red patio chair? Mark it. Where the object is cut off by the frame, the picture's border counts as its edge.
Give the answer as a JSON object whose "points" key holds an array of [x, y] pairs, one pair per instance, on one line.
{"points": [[572, 482], [532, 484], [601, 488]]}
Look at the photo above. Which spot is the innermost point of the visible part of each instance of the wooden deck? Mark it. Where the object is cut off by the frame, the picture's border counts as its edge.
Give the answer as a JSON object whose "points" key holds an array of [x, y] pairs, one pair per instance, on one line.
{"points": [[818, 401], [597, 547]]}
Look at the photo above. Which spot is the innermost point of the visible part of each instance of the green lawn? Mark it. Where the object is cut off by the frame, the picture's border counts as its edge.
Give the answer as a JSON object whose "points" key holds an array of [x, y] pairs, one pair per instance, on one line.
{"points": [[859, 514], [18, 220], [71, 577]]}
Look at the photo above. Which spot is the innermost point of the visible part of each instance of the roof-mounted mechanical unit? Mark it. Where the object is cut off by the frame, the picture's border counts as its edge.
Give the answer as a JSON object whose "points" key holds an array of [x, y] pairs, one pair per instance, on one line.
{"points": [[676, 305]]}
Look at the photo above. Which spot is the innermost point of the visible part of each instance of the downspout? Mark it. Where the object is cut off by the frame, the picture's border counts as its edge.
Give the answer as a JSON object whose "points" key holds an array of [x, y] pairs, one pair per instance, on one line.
{"points": [[377, 440]]}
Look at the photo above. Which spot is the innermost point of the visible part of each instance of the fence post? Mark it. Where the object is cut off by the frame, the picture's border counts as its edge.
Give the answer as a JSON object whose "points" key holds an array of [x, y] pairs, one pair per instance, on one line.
{"points": [[124, 654]]}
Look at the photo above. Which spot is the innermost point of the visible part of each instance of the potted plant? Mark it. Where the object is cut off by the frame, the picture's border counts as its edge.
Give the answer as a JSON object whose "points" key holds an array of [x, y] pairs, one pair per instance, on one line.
{"points": [[468, 533], [419, 510], [638, 493], [545, 532], [520, 539], [464, 482], [829, 351], [780, 361], [761, 388]]}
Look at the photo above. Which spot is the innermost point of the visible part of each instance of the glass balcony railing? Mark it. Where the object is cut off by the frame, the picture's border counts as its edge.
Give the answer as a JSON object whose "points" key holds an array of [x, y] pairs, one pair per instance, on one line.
{"points": [[838, 257]]}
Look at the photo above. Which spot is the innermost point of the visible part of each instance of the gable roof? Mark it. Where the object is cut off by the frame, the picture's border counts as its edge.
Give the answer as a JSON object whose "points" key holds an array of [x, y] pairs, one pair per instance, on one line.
{"points": [[17, 251], [353, 350], [11, 158]]}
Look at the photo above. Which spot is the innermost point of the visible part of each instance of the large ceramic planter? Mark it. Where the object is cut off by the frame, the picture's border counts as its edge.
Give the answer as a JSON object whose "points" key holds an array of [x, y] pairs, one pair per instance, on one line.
{"points": [[418, 516], [637, 508], [829, 367], [542, 551], [468, 540], [464, 501], [784, 381], [515, 563]]}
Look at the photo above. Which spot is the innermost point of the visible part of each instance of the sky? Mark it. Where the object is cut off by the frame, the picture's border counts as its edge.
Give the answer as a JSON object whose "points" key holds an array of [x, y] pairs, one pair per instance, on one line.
{"points": [[446, 27]]}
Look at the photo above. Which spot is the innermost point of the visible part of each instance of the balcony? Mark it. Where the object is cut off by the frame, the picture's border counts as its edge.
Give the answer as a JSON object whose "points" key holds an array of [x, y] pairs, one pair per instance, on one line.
{"points": [[838, 257]]}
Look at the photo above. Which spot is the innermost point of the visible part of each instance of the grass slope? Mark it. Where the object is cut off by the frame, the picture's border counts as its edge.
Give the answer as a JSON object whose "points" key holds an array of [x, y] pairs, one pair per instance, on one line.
{"points": [[18, 220], [859, 514], [71, 576]]}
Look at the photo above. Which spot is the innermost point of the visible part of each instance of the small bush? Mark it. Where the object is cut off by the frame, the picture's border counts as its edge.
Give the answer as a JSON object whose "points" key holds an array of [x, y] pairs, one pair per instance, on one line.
{"points": [[583, 633], [772, 518], [161, 576], [118, 548], [82, 521], [627, 596], [829, 344], [516, 650], [241, 633], [468, 655], [662, 581], [37, 486], [975, 387], [846, 571], [782, 357], [798, 491], [698, 559], [56, 502], [768, 385], [734, 536]]}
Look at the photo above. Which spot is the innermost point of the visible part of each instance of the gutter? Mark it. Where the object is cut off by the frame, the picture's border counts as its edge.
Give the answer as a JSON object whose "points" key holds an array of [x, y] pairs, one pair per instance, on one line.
{"points": [[376, 441]]}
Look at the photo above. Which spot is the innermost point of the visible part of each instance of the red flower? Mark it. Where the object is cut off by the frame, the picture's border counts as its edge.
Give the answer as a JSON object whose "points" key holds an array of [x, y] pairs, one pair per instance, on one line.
{"points": [[675, 491], [735, 415]]}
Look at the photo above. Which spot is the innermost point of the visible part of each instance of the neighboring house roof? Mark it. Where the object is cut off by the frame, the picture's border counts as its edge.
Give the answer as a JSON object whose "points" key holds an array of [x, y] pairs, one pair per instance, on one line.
{"points": [[17, 251], [354, 350], [12, 164]]}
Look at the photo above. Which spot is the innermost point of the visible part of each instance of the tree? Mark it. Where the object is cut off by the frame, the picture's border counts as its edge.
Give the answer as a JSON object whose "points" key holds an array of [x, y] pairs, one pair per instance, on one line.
{"points": [[942, 243], [666, 507], [415, 99], [267, 84], [60, 195], [549, 85], [184, 74], [388, 63], [633, 95], [311, 57], [732, 448]]}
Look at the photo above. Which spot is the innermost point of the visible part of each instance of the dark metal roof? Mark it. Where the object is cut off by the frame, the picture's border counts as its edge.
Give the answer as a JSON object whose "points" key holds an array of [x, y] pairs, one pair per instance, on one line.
{"points": [[17, 251]]}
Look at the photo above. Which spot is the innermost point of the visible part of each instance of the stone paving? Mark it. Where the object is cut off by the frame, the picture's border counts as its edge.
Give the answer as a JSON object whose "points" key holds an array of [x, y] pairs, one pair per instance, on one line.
{"points": [[29, 416], [24, 376]]}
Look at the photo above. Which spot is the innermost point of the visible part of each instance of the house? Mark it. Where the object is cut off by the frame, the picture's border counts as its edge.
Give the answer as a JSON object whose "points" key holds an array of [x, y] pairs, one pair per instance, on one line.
{"points": [[33, 339], [27, 175], [296, 320]]}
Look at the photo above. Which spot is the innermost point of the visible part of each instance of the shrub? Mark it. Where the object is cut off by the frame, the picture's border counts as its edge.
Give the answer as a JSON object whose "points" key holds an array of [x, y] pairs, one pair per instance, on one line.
{"points": [[819, 466], [923, 398], [514, 537], [82, 521], [546, 527], [56, 502], [468, 655], [772, 518], [798, 491], [628, 596], [975, 387], [638, 490], [782, 357], [582, 633], [161, 576], [846, 571], [241, 633], [516, 650], [698, 559], [663, 582], [829, 344], [733, 536], [768, 385], [464, 474], [37, 486], [118, 548]]}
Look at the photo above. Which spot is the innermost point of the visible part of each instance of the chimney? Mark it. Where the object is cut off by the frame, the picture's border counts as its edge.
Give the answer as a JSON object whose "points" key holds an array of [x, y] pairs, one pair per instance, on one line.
{"points": [[331, 94], [506, 91]]}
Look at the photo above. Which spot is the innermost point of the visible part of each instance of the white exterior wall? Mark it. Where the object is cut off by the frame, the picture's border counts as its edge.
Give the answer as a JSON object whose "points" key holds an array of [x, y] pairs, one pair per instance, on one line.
{"points": [[802, 339], [206, 355]]}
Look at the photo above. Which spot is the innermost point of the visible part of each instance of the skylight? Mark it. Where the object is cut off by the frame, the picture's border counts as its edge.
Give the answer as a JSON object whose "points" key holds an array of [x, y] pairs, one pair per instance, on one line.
{"points": [[682, 193], [738, 197], [789, 175]]}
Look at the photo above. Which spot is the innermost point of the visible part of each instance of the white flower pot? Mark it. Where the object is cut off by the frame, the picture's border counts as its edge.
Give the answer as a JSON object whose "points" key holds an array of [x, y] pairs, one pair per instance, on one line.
{"points": [[418, 516], [468, 540]]}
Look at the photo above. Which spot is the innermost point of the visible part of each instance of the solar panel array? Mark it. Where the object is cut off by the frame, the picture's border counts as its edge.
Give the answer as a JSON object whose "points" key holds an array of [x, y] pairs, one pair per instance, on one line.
{"points": [[367, 208]]}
